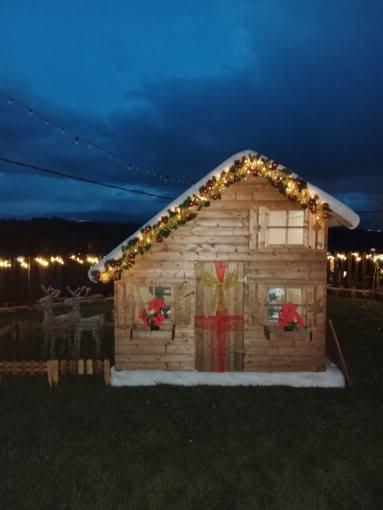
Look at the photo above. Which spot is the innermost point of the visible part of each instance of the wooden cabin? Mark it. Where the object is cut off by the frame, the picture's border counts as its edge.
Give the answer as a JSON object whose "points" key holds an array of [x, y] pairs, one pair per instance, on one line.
{"points": [[221, 261]]}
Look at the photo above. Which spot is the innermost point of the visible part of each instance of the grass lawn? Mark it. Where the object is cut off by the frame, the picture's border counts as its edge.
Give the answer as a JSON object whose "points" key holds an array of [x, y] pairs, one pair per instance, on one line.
{"points": [[86, 446]]}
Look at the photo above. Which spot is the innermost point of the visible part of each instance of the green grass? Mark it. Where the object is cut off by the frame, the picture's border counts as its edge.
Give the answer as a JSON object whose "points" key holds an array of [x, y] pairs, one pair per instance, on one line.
{"points": [[86, 446]]}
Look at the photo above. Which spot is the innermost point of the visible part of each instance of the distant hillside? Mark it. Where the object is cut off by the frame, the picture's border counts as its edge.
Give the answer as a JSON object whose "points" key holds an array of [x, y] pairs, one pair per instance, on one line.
{"points": [[56, 235], [354, 240]]}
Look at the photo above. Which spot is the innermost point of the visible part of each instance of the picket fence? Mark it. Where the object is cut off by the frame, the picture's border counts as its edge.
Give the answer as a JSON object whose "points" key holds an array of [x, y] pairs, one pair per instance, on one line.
{"points": [[55, 369]]}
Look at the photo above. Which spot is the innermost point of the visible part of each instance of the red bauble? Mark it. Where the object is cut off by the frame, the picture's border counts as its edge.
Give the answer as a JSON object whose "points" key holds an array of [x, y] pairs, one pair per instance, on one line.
{"points": [[255, 173], [159, 239], [214, 197], [274, 165], [165, 219]]}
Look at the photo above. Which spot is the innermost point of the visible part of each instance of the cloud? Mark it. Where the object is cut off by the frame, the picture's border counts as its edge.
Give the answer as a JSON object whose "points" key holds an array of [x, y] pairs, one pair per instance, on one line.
{"points": [[296, 82]]}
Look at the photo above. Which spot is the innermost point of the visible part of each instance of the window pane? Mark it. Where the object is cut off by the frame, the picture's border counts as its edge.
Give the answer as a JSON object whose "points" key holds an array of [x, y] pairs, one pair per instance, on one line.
{"points": [[274, 312], [165, 293], [277, 218], [294, 296], [296, 218], [277, 236], [295, 236], [276, 296]]}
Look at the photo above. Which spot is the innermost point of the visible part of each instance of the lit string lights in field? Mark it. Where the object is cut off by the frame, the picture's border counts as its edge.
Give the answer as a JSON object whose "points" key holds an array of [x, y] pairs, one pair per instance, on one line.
{"points": [[45, 262], [357, 258]]}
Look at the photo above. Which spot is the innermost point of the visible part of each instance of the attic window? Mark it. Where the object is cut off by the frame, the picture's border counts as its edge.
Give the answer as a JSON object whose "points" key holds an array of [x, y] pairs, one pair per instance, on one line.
{"points": [[286, 227]]}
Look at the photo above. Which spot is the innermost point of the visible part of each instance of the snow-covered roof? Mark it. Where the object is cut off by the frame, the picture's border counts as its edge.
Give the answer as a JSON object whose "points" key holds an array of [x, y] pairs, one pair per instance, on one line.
{"points": [[340, 213]]}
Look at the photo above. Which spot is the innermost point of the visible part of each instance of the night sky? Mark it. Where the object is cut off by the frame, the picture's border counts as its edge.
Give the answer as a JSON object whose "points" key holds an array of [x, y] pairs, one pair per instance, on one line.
{"points": [[176, 87]]}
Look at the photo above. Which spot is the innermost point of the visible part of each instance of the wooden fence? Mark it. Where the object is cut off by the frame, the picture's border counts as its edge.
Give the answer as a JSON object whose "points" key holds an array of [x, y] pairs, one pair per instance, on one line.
{"points": [[354, 270], [55, 369]]}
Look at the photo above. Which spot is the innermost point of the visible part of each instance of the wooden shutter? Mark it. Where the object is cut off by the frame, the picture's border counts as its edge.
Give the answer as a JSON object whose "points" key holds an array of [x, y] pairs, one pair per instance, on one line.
{"points": [[263, 221], [317, 233], [124, 307], [183, 300]]}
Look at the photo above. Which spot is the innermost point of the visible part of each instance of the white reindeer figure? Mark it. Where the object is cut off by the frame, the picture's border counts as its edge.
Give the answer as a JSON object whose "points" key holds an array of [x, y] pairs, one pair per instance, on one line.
{"points": [[91, 324], [56, 327]]}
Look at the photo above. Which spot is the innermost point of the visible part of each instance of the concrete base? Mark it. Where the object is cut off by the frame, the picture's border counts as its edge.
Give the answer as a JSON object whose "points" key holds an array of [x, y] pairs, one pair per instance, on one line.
{"points": [[332, 377]]}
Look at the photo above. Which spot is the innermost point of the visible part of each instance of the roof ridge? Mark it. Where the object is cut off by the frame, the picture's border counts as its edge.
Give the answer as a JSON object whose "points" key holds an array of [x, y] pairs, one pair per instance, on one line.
{"points": [[185, 207]]}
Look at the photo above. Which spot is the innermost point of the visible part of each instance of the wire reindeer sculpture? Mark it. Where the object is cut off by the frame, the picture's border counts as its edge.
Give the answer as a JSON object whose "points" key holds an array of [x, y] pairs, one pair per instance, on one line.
{"points": [[92, 325], [58, 329]]}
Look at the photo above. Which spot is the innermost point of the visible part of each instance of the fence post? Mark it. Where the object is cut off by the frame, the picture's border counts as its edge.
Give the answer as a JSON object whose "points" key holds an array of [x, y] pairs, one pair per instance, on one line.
{"points": [[89, 366], [80, 367], [107, 372], [53, 372]]}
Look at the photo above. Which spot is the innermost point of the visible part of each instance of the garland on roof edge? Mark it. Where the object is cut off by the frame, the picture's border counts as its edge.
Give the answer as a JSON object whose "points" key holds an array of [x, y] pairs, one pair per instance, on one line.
{"points": [[294, 188]]}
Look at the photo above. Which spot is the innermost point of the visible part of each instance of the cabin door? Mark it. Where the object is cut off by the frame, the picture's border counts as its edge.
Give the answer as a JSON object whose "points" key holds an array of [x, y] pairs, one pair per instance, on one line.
{"points": [[219, 318]]}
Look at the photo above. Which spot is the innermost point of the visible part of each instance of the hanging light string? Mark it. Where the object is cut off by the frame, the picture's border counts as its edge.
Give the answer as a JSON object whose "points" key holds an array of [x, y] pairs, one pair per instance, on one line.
{"points": [[78, 140], [59, 173], [44, 261]]}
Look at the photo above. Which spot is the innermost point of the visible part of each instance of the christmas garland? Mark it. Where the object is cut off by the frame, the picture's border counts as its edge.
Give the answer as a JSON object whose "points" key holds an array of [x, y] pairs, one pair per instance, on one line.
{"points": [[294, 188]]}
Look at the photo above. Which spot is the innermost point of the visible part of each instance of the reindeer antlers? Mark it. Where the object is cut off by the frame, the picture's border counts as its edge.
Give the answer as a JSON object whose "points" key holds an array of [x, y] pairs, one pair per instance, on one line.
{"points": [[79, 292], [50, 291]]}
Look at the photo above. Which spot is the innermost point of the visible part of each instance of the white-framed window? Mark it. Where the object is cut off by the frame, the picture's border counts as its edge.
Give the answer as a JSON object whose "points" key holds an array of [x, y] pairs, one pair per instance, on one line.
{"points": [[286, 228], [277, 296]]}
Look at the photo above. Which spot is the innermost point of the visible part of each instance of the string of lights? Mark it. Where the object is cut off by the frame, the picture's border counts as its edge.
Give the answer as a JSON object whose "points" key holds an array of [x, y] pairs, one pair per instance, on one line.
{"points": [[60, 173], [45, 261], [339, 259], [82, 140]]}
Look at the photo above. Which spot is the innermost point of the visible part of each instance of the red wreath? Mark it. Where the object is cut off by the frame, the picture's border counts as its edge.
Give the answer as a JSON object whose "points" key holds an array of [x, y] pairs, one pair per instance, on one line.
{"points": [[289, 318], [154, 314]]}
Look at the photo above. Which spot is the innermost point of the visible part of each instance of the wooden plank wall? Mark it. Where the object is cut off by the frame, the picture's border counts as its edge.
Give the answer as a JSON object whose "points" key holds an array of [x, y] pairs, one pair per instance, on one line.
{"points": [[232, 229]]}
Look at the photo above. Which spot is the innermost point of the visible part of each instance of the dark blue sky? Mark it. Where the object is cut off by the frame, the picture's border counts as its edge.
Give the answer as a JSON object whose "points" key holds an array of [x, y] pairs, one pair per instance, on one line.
{"points": [[178, 86]]}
